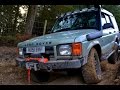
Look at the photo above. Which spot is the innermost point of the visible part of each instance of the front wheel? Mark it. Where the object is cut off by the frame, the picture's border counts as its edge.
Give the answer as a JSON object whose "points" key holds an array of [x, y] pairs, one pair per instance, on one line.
{"points": [[92, 70]]}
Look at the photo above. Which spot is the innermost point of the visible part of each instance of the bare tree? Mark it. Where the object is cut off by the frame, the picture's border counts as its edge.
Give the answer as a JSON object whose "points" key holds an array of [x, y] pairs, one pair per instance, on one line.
{"points": [[32, 9]]}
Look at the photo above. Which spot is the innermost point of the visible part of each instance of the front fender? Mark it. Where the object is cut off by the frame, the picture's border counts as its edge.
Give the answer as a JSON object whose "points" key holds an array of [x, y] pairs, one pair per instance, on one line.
{"points": [[89, 47]]}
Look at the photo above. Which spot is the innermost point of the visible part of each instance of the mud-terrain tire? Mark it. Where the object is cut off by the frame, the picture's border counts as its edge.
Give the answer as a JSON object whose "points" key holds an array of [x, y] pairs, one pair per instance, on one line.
{"points": [[114, 57], [91, 71], [39, 76]]}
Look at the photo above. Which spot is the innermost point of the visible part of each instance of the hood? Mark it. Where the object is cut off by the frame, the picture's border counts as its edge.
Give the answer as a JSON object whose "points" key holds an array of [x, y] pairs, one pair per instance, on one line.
{"points": [[56, 38]]}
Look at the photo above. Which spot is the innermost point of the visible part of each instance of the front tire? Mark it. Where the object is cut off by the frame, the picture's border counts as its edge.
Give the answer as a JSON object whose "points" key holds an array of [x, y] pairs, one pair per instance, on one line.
{"points": [[91, 71]]}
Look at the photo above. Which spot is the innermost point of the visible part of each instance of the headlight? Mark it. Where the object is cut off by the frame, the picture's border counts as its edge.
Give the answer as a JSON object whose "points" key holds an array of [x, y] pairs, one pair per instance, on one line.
{"points": [[65, 50], [20, 51]]}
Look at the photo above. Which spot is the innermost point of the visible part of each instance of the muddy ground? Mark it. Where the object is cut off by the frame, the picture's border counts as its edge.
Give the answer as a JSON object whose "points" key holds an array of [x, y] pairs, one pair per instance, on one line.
{"points": [[10, 74]]}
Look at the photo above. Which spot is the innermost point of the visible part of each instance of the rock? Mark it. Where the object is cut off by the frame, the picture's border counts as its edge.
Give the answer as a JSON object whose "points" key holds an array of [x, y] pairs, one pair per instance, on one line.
{"points": [[116, 80], [118, 77]]}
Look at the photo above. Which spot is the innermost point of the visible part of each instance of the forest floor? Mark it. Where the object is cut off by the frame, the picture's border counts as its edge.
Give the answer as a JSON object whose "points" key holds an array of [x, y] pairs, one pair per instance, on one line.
{"points": [[10, 74]]}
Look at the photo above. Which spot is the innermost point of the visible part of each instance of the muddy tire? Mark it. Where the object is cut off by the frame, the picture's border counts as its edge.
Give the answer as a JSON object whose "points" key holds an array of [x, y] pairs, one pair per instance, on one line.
{"points": [[92, 70], [39, 76]]}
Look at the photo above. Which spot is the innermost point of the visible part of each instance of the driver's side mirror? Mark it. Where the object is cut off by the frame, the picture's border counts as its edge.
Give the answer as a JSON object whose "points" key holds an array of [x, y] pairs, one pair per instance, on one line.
{"points": [[107, 25]]}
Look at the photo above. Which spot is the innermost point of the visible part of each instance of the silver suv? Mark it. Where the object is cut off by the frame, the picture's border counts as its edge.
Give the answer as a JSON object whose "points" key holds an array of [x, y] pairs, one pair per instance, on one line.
{"points": [[78, 40]]}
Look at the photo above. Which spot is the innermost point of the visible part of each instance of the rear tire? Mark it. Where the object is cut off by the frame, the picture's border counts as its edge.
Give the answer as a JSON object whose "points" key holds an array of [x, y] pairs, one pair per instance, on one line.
{"points": [[91, 71], [114, 57], [39, 76]]}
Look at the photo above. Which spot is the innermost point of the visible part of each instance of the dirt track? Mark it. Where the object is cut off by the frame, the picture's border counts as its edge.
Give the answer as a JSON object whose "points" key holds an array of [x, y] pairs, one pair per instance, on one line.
{"points": [[10, 74]]}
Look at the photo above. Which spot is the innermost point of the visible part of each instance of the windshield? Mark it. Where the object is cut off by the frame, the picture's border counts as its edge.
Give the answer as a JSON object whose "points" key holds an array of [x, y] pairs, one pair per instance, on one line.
{"points": [[86, 20]]}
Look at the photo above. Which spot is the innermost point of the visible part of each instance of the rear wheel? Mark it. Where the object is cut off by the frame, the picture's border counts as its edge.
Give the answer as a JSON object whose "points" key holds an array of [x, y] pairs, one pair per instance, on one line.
{"points": [[39, 76], [92, 70], [114, 57]]}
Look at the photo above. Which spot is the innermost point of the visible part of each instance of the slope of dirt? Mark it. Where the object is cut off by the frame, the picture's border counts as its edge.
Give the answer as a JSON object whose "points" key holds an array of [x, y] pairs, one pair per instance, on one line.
{"points": [[10, 74], [109, 73]]}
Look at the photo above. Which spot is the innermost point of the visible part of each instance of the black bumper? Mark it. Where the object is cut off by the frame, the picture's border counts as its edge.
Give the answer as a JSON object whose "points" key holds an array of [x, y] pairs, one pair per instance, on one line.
{"points": [[51, 65]]}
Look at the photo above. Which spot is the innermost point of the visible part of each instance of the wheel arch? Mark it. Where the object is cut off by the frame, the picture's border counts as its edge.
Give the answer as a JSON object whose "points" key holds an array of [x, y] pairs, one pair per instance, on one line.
{"points": [[98, 49], [96, 45]]}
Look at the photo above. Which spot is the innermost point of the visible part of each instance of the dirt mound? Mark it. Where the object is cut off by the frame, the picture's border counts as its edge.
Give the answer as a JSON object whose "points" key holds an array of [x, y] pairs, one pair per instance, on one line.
{"points": [[109, 73]]}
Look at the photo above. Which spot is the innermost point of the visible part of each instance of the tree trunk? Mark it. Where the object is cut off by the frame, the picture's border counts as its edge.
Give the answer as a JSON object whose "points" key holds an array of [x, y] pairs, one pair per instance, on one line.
{"points": [[15, 21], [32, 9]]}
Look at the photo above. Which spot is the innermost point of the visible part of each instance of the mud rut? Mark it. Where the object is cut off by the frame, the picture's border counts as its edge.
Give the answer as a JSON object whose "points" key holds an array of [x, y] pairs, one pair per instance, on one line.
{"points": [[10, 74]]}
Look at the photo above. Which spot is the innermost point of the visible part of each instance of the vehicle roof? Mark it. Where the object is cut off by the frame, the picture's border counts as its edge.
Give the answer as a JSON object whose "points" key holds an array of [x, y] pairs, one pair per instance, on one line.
{"points": [[87, 10]]}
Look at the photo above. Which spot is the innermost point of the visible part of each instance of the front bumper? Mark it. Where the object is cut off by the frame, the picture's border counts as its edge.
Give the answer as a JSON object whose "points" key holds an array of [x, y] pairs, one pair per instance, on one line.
{"points": [[52, 65]]}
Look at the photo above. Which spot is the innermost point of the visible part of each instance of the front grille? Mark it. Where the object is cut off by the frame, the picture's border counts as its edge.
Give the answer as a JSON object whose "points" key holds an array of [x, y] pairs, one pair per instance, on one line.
{"points": [[49, 53]]}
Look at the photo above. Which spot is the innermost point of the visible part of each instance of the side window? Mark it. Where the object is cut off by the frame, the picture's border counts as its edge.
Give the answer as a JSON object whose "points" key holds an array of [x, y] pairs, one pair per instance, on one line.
{"points": [[106, 20], [103, 20]]}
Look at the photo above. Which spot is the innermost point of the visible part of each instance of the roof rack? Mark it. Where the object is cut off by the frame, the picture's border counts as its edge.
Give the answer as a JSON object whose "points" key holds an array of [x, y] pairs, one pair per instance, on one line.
{"points": [[95, 7]]}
